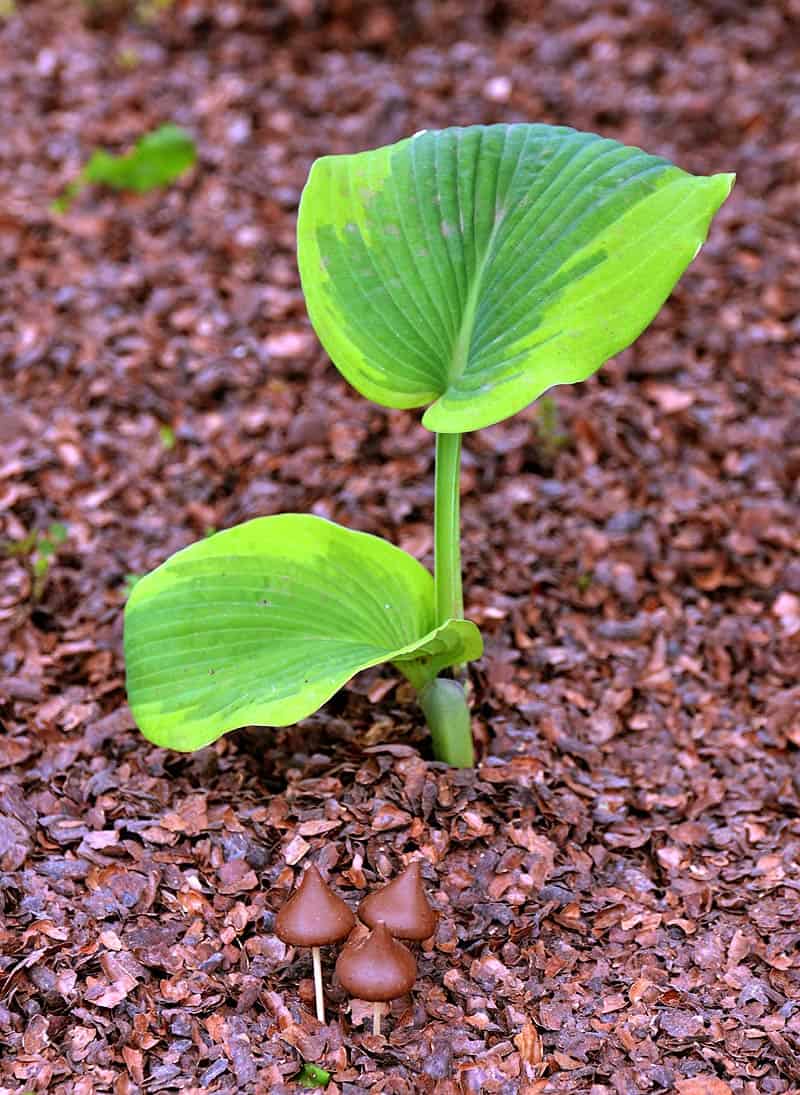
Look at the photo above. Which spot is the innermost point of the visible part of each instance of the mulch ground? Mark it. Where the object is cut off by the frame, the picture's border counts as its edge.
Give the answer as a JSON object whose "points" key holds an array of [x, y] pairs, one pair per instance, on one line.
{"points": [[619, 880]]}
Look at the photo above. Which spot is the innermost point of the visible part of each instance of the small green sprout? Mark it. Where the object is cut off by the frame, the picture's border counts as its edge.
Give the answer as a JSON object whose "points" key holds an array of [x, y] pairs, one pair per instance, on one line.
{"points": [[40, 548], [167, 437], [464, 271], [128, 59], [157, 160], [150, 11], [312, 1076]]}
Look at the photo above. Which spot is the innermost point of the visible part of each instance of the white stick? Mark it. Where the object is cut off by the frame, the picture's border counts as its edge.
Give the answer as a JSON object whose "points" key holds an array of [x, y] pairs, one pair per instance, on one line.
{"points": [[318, 984], [377, 1011]]}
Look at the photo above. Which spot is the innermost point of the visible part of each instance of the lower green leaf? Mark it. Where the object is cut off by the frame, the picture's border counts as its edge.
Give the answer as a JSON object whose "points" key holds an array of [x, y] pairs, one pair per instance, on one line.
{"points": [[261, 624]]}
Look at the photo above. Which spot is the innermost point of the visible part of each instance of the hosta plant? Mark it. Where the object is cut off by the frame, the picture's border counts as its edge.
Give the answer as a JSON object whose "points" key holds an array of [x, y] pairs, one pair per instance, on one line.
{"points": [[465, 271]]}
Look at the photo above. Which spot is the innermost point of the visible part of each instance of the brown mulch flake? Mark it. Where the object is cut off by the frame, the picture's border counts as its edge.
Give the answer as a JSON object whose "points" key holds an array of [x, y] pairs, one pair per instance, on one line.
{"points": [[619, 879]]}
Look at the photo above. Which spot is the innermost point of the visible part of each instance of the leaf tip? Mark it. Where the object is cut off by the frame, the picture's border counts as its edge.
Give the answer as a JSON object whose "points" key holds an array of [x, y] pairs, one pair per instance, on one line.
{"points": [[721, 185], [729, 177]]}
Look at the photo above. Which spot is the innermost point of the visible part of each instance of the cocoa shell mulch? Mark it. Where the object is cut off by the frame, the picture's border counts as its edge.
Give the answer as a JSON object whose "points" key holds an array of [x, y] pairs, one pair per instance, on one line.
{"points": [[619, 879]]}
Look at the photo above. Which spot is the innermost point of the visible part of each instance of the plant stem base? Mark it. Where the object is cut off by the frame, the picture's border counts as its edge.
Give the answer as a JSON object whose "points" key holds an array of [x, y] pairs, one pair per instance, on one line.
{"points": [[445, 705]]}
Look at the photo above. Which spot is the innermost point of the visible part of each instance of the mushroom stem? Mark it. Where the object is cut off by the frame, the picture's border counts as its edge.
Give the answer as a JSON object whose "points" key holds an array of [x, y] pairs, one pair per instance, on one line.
{"points": [[377, 1012], [315, 955]]}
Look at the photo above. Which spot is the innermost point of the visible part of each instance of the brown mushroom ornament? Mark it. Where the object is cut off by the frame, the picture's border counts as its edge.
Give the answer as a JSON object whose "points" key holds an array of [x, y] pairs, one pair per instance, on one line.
{"points": [[377, 968], [314, 917], [402, 906]]}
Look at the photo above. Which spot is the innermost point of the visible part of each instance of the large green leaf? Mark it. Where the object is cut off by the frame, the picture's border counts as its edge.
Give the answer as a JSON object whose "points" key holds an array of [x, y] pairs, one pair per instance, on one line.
{"points": [[472, 269], [262, 623]]}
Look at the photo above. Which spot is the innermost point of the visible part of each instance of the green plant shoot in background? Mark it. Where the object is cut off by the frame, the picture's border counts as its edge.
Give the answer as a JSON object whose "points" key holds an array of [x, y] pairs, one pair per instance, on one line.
{"points": [[40, 549], [465, 271], [157, 159]]}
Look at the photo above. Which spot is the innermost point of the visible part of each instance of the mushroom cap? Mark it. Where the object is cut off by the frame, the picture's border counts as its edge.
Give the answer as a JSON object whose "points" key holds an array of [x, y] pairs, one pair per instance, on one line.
{"points": [[377, 968], [402, 905], [314, 916]]}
